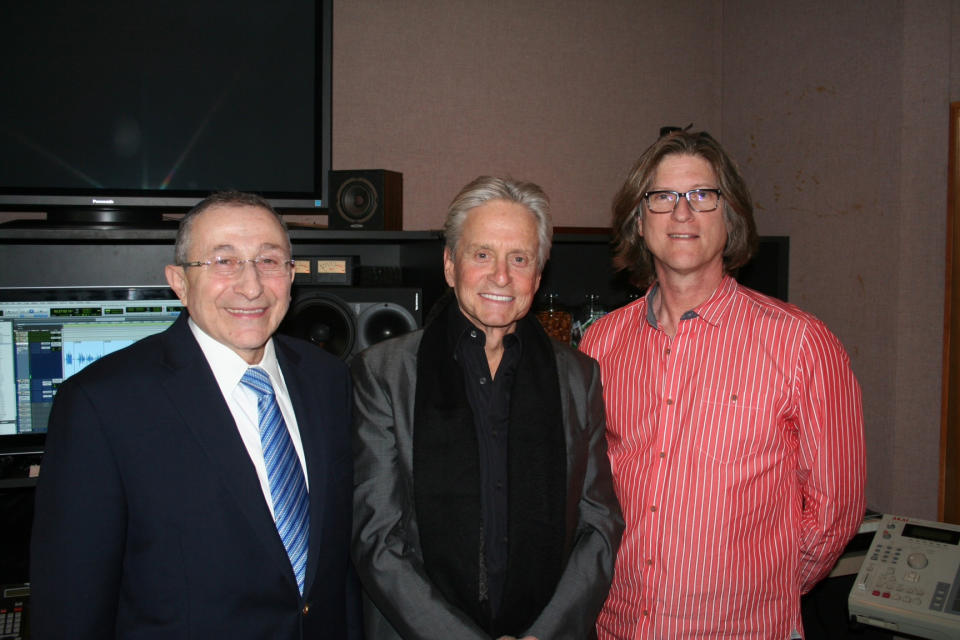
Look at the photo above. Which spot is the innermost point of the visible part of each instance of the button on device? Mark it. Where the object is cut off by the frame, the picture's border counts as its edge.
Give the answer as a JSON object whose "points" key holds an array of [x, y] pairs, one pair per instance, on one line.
{"points": [[917, 560]]}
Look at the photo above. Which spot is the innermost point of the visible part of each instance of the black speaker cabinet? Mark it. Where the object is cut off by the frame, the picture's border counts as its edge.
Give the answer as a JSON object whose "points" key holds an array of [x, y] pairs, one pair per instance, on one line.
{"points": [[347, 320], [366, 199]]}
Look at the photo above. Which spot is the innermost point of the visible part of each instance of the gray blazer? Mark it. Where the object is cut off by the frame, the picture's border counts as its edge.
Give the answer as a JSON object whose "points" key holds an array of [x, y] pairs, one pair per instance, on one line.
{"points": [[400, 601]]}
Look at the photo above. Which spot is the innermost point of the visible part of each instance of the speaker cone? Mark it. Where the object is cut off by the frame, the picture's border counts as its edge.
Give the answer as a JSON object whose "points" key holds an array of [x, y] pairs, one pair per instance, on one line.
{"points": [[357, 198], [324, 321], [383, 321]]}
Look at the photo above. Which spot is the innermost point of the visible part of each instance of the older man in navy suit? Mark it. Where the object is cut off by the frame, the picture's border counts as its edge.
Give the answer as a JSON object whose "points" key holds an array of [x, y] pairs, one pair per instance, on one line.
{"points": [[198, 483]]}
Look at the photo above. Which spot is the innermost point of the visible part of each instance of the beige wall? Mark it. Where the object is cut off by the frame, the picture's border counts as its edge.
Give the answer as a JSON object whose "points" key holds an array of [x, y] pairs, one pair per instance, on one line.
{"points": [[843, 131], [562, 93], [837, 113]]}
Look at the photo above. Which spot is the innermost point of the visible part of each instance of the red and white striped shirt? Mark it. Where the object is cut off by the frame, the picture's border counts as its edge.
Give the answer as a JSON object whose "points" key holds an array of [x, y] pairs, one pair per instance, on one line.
{"points": [[738, 458]]}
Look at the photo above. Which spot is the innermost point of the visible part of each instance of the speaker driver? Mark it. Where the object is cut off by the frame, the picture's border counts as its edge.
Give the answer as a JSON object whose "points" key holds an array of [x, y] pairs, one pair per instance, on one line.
{"points": [[382, 321], [358, 199], [324, 321]]}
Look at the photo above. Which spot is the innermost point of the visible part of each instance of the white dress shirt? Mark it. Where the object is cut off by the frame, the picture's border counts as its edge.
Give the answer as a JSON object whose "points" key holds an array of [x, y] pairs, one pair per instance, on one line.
{"points": [[228, 368]]}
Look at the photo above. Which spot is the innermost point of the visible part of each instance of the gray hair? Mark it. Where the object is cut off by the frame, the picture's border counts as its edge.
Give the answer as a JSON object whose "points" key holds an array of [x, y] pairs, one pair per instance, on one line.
{"points": [[218, 199], [487, 188]]}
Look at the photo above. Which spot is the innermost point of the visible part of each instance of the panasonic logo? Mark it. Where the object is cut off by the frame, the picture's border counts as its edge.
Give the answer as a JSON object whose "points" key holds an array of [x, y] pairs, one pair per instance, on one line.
{"points": [[96, 201]]}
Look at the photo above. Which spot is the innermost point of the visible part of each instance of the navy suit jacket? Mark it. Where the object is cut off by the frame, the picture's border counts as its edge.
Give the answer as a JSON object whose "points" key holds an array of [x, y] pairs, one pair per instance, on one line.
{"points": [[150, 521]]}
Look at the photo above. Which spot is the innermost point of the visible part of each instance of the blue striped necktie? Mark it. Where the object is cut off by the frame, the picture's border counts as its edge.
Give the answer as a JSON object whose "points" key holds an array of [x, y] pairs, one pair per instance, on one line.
{"points": [[288, 488]]}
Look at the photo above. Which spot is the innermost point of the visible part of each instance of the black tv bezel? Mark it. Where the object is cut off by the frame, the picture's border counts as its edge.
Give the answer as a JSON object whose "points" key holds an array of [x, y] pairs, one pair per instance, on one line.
{"points": [[72, 293], [110, 208]]}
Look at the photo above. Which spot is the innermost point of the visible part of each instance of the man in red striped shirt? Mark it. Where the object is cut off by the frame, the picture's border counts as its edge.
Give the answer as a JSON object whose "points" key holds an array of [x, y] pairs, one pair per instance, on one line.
{"points": [[734, 422]]}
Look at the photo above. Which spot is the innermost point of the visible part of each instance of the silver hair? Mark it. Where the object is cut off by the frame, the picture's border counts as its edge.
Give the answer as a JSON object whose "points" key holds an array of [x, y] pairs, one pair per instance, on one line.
{"points": [[221, 198], [487, 188]]}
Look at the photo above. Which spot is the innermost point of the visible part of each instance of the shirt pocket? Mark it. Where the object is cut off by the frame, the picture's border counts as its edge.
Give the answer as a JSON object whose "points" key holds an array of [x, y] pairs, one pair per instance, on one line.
{"points": [[729, 425]]}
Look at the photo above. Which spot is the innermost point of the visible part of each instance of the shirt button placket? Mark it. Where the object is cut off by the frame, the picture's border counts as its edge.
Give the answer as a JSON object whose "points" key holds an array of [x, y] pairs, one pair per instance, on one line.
{"points": [[665, 428]]}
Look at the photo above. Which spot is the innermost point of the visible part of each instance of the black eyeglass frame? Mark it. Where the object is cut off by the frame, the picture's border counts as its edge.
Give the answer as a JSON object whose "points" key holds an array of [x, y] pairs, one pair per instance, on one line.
{"points": [[686, 196]]}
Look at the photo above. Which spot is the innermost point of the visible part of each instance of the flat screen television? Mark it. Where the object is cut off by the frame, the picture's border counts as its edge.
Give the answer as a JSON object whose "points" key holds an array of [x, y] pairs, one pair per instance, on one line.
{"points": [[118, 111]]}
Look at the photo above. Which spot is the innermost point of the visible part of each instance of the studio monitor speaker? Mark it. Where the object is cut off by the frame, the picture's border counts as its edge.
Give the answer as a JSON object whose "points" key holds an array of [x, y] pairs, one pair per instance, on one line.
{"points": [[347, 320], [366, 199]]}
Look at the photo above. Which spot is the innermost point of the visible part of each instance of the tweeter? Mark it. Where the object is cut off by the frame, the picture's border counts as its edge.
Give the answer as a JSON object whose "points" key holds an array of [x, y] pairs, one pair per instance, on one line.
{"points": [[347, 320]]}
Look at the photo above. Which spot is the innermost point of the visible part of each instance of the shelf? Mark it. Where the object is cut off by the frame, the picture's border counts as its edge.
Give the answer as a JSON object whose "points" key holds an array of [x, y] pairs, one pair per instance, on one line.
{"points": [[39, 231]]}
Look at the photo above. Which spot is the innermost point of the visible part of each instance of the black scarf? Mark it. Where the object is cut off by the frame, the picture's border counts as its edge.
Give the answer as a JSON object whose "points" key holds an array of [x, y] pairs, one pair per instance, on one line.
{"points": [[447, 479]]}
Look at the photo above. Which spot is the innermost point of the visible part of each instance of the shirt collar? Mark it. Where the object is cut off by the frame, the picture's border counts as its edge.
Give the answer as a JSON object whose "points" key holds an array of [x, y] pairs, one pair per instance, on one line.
{"points": [[711, 310], [227, 366], [461, 329]]}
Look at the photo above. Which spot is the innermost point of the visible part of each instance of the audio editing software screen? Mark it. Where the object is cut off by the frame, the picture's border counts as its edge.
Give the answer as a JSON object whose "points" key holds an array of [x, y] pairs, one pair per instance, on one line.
{"points": [[44, 342]]}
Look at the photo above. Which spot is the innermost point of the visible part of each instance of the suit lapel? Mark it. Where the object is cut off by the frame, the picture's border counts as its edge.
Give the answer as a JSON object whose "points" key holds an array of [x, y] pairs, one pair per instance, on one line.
{"points": [[193, 389]]}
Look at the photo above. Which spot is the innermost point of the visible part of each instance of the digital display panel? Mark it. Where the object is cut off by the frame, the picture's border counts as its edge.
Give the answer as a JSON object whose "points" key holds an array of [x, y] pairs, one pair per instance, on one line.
{"points": [[932, 534]]}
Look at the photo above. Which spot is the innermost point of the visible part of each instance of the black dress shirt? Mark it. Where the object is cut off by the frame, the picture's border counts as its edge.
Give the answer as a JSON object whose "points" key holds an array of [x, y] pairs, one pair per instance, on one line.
{"points": [[489, 398]]}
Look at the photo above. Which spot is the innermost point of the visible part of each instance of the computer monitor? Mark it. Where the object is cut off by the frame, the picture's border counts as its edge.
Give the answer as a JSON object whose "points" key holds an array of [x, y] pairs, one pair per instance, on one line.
{"points": [[49, 334]]}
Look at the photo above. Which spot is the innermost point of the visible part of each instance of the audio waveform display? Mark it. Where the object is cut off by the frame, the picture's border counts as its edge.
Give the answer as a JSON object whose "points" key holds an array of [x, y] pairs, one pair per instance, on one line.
{"points": [[79, 354]]}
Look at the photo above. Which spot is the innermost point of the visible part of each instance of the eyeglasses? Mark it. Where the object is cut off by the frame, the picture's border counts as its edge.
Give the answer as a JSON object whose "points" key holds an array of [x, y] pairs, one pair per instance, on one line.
{"points": [[700, 200], [232, 266]]}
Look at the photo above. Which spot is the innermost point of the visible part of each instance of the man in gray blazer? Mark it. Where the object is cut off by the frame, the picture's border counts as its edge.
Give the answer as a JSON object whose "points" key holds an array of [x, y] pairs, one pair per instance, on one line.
{"points": [[484, 504]]}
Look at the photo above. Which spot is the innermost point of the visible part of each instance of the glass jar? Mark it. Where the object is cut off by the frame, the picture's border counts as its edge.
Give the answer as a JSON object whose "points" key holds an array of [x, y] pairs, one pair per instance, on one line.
{"points": [[590, 312], [555, 320]]}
